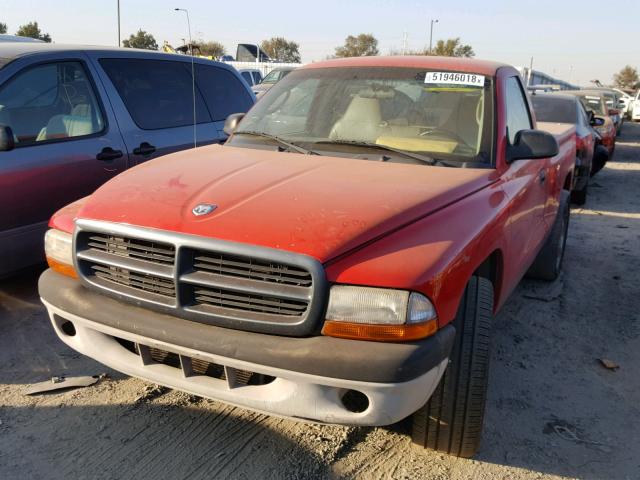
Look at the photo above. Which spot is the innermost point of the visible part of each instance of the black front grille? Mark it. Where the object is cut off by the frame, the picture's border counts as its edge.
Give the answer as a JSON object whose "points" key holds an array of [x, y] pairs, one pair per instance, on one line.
{"points": [[131, 279], [251, 268], [154, 252], [228, 299], [211, 285]]}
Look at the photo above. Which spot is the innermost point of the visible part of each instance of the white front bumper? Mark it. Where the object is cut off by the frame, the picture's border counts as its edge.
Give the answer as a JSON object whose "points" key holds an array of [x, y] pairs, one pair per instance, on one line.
{"points": [[292, 394]]}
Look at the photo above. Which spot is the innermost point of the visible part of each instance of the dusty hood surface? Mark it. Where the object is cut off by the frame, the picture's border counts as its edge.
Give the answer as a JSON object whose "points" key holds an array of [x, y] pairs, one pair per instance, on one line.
{"points": [[315, 205]]}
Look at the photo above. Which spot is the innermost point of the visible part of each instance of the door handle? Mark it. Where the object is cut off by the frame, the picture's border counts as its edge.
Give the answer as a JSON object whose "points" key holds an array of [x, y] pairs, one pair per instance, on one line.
{"points": [[542, 176], [108, 154], [145, 148]]}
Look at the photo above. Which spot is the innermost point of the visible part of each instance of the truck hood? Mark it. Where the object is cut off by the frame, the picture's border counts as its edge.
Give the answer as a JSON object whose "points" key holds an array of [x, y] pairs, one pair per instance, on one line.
{"points": [[315, 205]]}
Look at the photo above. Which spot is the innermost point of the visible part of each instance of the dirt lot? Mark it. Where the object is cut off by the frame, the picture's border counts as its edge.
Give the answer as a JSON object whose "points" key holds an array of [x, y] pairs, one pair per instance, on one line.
{"points": [[554, 411]]}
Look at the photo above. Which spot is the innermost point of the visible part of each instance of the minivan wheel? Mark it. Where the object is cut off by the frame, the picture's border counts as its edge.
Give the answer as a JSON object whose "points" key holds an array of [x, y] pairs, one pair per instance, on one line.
{"points": [[451, 420], [548, 263]]}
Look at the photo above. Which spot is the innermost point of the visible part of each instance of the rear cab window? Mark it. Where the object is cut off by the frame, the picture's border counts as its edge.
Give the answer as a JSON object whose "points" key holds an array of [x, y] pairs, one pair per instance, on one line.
{"points": [[554, 109]]}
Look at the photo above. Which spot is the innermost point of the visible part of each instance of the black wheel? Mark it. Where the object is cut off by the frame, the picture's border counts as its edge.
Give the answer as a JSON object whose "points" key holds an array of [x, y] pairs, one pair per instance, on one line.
{"points": [[548, 263], [451, 420], [579, 197]]}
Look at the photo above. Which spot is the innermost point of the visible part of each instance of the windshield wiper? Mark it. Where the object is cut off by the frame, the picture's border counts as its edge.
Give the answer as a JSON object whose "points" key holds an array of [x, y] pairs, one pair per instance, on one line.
{"points": [[285, 143], [414, 156]]}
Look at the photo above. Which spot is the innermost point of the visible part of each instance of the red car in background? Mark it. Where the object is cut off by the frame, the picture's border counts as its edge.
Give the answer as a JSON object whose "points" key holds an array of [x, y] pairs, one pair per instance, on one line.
{"points": [[594, 101], [559, 108]]}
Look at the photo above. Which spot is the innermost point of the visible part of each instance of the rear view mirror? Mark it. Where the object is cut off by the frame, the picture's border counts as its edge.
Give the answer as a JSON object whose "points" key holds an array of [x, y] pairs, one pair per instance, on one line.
{"points": [[596, 121], [231, 123], [613, 111], [7, 141], [532, 144]]}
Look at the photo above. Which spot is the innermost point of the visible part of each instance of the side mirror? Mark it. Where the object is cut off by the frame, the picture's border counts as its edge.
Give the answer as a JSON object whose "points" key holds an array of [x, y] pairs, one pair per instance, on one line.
{"points": [[532, 144], [231, 123], [596, 121], [7, 141]]}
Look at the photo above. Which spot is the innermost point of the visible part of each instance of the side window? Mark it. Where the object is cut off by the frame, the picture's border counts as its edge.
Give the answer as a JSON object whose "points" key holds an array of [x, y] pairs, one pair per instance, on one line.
{"points": [[157, 93], [223, 91], [517, 110], [247, 77], [51, 101]]}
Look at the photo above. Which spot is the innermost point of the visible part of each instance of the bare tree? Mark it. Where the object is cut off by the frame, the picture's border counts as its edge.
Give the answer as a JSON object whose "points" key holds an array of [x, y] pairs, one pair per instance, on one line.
{"points": [[142, 40], [212, 49], [281, 49], [627, 77], [452, 47], [32, 30], [3, 28], [363, 45]]}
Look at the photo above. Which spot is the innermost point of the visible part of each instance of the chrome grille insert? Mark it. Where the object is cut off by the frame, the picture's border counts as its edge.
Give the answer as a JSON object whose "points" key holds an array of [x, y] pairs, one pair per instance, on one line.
{"points": [[205, 280]]}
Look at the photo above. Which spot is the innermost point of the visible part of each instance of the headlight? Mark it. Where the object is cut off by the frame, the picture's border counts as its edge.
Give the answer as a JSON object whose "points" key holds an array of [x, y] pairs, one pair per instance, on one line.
{"points": [[379, 314], [58, 247]]}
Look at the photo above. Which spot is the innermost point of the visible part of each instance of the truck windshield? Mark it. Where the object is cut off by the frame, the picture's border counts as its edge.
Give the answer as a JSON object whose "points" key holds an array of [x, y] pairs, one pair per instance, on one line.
{"points": [[441, 115]]}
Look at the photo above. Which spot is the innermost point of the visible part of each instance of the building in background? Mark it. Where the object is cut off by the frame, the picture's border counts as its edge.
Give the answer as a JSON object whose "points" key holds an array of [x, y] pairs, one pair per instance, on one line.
{"points": [[535, 78]]}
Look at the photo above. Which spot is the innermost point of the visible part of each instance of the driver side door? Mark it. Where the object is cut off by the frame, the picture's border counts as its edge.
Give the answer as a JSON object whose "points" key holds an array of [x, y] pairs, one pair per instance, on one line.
{"points": [[67, 145]]}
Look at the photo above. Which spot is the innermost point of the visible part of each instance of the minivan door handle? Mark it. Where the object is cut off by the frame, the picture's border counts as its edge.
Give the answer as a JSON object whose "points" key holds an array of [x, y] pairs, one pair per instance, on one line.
{"points": [[145, 148], [107, 154]]}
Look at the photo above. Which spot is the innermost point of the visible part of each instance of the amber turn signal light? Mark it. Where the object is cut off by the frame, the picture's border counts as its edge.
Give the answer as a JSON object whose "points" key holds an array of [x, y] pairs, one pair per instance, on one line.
{"points": [[62, 268], [380, 333]]}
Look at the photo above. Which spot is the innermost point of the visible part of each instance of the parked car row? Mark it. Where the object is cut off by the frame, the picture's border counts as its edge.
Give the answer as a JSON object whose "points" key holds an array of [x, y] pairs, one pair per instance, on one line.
{"points": [[597, 126]]}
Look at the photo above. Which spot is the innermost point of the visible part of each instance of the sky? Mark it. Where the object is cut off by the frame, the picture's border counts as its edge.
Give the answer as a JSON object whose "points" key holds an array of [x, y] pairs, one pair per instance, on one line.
{"points": [[573, 40]]}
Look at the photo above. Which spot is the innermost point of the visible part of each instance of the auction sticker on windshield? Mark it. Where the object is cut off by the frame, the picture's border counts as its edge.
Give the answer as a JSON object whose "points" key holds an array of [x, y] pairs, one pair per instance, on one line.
{"points": [[453, 78]]}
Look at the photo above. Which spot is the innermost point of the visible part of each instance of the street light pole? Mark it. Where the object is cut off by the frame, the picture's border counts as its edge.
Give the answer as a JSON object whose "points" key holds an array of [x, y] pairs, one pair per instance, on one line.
{"points": [[431, 34], [119, 24], [193, 76]]}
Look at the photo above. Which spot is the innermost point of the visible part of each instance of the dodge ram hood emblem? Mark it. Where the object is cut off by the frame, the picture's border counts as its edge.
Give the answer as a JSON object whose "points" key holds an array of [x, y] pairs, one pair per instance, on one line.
{"points": [[203, 209]]}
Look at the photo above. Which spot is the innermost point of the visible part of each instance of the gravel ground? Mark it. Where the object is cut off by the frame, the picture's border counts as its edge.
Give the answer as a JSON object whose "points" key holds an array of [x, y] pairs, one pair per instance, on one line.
{"points": [[554, 411]]}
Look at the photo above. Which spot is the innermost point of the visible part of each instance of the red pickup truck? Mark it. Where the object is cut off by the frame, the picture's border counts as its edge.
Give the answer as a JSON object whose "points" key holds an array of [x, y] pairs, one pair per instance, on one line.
{"points": [[340, 259]]}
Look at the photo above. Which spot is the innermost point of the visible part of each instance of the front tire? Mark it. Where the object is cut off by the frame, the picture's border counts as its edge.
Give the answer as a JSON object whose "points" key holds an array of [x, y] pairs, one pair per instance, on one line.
{"points": [[548, 263], [451, 420]]}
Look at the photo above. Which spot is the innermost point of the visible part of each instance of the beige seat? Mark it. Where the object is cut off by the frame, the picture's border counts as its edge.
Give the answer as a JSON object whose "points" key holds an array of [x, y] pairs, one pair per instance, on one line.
{"points": [[64, 126], [466, 120], [361, 121]]}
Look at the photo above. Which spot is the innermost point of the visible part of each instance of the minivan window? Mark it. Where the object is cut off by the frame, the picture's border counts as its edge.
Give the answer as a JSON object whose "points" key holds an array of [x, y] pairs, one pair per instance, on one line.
{"points": [[157, 93], [51, 101], [224, 93], [517, 110], [247, 77]]}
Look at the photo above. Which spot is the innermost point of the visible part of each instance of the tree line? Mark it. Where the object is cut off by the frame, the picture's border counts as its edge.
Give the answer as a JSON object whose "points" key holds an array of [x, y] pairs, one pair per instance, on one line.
{"points": [[31, 29], [283, 50]]}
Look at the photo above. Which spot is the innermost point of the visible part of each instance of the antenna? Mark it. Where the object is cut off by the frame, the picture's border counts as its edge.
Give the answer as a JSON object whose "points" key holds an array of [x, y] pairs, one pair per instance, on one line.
{"points": [[193, 77]]}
